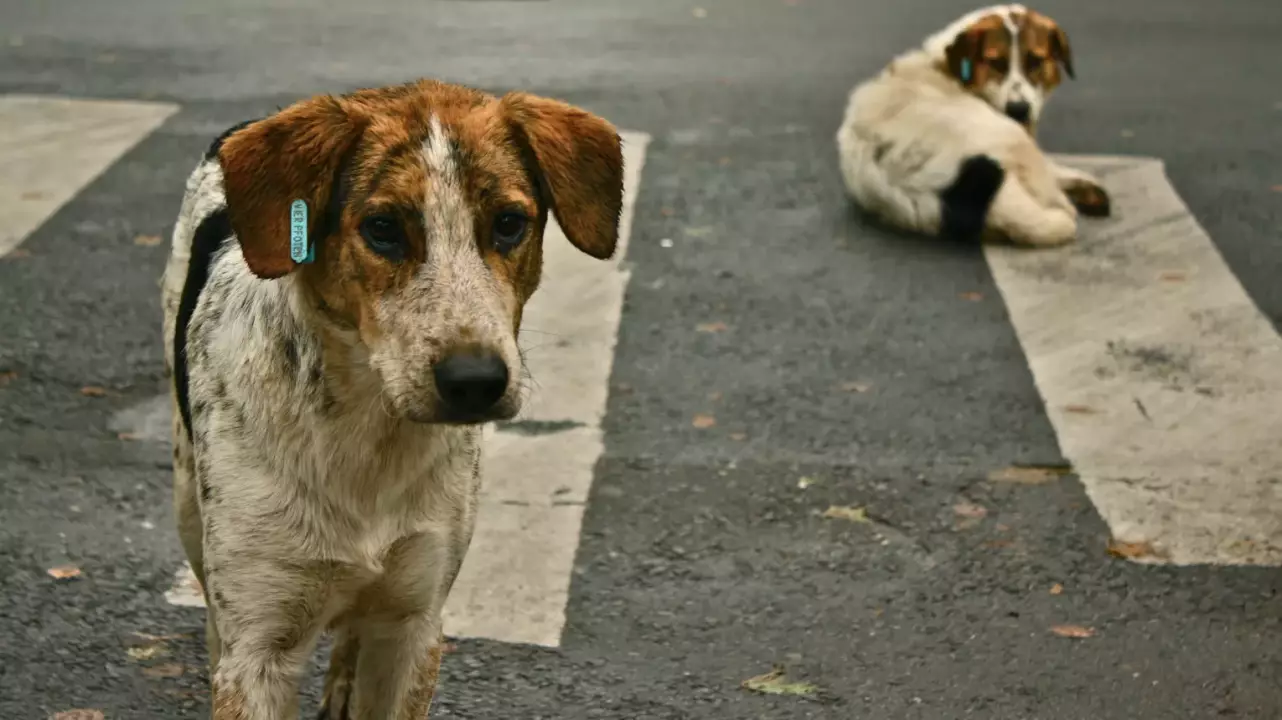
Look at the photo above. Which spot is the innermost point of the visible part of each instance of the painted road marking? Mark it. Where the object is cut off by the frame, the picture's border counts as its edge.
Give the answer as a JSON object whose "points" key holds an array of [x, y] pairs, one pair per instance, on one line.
{"points": [[52, 147], [537, 470], [1162, 378], [516, 577]]}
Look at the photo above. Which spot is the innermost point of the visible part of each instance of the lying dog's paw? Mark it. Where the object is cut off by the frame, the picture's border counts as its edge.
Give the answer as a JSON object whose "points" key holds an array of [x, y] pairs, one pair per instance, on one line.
{"points": [[1090, 199]]}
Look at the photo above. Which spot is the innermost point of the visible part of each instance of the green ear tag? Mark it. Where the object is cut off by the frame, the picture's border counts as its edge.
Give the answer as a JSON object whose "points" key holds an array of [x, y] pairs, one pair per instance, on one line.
{"points": [[300, 250], [965, 70]]}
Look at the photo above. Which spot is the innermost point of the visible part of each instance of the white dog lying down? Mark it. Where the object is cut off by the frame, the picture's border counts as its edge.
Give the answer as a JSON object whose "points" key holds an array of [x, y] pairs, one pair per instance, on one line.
{"points": [[943, 141]]}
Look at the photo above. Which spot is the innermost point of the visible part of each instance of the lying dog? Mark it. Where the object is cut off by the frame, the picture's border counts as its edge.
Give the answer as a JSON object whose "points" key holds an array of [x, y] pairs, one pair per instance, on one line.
{"points": [[341, 308], [943, 141]]}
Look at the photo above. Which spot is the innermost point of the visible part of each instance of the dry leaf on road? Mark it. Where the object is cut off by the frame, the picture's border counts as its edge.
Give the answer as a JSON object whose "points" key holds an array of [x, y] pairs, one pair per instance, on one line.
{"points": [[972, 296], [64, 572], [776, 683], [168, 670], [703, 421], [1027, 474], [1132, 551], [842, 512], [93, 391], [1081, 409], [856, 387], [712, 327], [806, 482], [146, 652], [1076, 632], [739, 436], [80, 714], [970, 510], [1057, 589], [147, 240]]}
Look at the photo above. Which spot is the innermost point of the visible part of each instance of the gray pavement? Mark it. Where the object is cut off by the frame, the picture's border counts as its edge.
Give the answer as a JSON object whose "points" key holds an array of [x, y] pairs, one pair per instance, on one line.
{"points": [[702, 562]]}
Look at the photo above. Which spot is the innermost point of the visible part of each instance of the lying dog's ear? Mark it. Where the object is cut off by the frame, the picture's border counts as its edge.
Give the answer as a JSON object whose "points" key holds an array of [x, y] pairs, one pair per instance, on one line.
{"points": [[580, 161], [964, 54], [1061, 50], [293, 155]]}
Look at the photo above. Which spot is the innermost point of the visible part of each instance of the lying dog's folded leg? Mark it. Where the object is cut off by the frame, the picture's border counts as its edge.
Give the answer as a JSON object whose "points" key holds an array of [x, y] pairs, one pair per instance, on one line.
{"points": [[1017, 216], [1086, 193], [965, 203]]}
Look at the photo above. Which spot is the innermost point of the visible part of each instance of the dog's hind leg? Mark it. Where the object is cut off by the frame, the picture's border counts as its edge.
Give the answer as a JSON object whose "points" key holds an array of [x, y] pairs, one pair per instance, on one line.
{"points": [[965, 203], [1084, 190], [1017, 216]]}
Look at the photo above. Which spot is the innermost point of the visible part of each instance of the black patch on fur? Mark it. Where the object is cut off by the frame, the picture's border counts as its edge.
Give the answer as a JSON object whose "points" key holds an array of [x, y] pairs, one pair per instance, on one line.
{"points": [[212, 232], [217, 144], [965, 203], [206, 490], [289, 348]]}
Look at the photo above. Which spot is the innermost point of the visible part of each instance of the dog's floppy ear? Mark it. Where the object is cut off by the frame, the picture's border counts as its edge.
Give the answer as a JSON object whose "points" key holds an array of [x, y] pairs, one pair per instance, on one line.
{"points": [[963, 55], [580, 161], [1061, 50], [293, 155]]}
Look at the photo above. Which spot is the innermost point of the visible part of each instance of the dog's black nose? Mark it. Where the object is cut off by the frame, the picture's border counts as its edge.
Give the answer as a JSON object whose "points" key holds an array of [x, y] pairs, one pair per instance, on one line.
{"points": [[1019, 111], [470, 383]]}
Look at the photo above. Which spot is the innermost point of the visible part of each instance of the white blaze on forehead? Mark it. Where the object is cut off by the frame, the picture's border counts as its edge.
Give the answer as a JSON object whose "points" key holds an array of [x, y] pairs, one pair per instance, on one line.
{"points": [[446, 215]]}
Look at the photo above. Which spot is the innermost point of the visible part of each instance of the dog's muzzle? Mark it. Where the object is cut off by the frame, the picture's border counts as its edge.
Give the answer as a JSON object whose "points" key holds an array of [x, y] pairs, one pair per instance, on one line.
{"points": [[470, 383], [1019, 111]]}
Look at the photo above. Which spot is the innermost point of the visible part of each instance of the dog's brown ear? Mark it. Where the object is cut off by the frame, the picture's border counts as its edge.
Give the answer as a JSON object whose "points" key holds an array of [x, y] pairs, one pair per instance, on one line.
{"points": [[1061, 50], [580, 159], [293, 155], [965, 55]]}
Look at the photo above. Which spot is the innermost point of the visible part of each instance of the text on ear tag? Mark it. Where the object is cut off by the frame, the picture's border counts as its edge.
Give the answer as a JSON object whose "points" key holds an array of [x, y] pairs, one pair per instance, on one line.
{"points": [[300, 249]]}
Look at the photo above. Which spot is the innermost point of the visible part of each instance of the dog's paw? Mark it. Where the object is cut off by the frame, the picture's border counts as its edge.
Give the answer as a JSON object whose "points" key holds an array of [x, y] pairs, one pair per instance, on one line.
{"points": [[1089, 198]]}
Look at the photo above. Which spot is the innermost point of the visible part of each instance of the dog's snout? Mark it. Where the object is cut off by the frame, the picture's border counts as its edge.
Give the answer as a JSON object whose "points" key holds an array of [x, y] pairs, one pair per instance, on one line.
{"points": [[1019, 111], [470, 383]]}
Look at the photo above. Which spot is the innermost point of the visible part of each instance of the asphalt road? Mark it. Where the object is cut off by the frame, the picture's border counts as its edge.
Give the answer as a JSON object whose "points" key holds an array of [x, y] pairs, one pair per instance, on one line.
{"points": [[702, 562]]}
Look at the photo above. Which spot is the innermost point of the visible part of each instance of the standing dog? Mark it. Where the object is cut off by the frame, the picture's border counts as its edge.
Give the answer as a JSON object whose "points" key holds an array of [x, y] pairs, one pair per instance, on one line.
{"points": [[341, 308], [943, 141]]}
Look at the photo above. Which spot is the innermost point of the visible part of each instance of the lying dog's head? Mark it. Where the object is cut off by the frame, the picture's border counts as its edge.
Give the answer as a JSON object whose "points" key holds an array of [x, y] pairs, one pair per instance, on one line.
{"points": [[427, 204], [1008, 55]]}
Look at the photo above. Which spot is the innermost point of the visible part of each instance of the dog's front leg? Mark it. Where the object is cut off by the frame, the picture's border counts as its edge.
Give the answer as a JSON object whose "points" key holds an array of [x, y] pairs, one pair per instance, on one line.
{"points": [[268, 616], [400, 629]]}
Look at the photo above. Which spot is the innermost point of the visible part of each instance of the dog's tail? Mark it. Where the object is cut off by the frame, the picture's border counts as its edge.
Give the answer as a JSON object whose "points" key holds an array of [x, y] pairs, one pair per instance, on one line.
{"points": [[964, 204]]}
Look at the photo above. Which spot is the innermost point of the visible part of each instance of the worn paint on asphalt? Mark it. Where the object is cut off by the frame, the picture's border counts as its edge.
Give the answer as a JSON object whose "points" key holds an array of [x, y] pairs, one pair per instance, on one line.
{"points": [[1162, 378]]}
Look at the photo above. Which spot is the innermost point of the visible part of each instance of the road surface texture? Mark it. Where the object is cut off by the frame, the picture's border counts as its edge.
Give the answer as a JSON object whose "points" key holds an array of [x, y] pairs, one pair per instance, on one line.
{"points": [[811, 423]]}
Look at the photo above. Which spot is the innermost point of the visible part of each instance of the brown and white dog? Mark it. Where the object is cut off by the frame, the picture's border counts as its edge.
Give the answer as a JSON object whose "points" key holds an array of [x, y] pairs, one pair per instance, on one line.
{"points": [[943, 140], [328, 412]]}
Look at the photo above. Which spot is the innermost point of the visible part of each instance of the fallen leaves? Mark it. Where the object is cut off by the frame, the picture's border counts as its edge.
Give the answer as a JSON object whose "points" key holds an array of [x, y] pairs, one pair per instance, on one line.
{"points": [[166, 670], [712, 327], [972, 296], [845, 512], [1132, 550], [1075, 632], [64, 572], [147, 652], [703, 422], [738, 436], [776, 682], [855, 387], [1028, 474], [1057, 589], [970, 510], [93, 391], [147, 240], [79, 714]]}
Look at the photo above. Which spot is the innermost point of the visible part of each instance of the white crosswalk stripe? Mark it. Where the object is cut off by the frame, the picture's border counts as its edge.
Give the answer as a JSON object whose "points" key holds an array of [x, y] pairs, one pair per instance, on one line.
{"points": [[1162, 379], [52, 147]]}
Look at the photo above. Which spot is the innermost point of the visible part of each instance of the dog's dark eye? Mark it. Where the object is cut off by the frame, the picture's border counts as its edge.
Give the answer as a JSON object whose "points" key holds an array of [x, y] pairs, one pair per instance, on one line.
{"points": [[509, 230], [385, 236], [1000, 65], [1032, 63]]}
